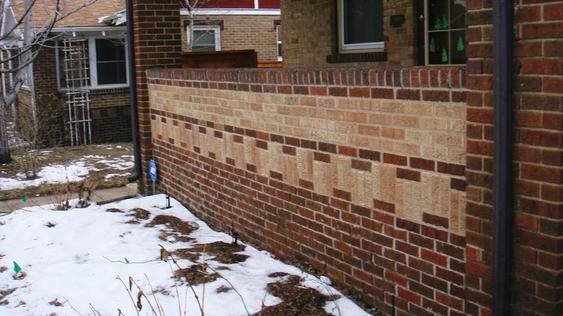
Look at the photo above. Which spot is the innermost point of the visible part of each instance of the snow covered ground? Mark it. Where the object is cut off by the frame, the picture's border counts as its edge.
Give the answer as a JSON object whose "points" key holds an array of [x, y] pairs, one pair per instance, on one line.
{"points": [[72, 171], [74, 257]]}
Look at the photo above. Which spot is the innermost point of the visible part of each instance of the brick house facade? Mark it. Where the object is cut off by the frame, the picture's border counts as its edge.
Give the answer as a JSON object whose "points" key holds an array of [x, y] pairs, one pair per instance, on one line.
{"points": [[239, 25], [43, 97], [377, 175]]}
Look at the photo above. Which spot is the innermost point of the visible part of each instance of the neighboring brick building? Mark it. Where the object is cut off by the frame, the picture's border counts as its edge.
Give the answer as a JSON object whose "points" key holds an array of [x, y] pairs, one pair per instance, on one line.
{"points": [[44, 94], [236, 25], [379, 176]]}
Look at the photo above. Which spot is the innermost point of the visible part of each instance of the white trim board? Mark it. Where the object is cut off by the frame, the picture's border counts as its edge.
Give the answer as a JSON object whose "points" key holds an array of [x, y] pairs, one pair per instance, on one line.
{"points": [[272, 12], [88, 29]]}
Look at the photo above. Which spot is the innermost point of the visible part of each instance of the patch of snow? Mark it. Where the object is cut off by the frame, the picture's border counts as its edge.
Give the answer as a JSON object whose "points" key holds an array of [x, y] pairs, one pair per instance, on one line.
{"points": [[325, 280], [68, 262], [74, 171]]}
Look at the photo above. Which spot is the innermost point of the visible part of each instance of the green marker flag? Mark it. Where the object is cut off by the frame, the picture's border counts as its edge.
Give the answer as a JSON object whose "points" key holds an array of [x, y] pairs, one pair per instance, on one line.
{"points": [[460, 47], [444, 56], [24, 199], [17, 268]]}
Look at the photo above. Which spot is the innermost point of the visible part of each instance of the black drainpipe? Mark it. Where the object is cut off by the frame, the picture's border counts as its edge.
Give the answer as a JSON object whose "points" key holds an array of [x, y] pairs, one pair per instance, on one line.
{"points": [[133, 92], [502, 191]]}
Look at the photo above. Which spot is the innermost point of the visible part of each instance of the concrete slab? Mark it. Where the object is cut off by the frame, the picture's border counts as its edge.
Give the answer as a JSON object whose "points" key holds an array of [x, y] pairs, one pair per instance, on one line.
{"points": [[99, 196]]}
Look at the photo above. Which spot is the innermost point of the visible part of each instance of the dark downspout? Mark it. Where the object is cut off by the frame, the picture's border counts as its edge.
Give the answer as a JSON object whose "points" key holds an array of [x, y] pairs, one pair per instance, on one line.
{"points": [[133, 92], [502, 191]]}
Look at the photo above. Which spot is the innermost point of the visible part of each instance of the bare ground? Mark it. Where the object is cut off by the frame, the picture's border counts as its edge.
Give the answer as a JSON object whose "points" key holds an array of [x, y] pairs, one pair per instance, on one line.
{"points": [[91, 155]]}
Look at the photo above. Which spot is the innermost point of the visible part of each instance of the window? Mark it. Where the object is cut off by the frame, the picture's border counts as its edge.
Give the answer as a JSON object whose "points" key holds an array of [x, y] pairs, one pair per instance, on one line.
{"points": [[204, 38], [111, 67], [360, 25], [445, 32], [106, 65], [279, 42]]}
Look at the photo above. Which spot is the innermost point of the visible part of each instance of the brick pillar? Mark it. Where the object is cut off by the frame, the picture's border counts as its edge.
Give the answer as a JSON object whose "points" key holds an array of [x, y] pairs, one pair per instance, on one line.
{"points": [[157, 31], [538, 247]]}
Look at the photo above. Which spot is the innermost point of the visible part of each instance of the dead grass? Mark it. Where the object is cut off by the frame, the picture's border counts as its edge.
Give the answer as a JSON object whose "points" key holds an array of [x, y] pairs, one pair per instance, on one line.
{"points": [[65, 156], [186, 253], [195, 274], [222, 252], [114, 210], [173, 223], [296, 299], [223, 289], [140, 213]]}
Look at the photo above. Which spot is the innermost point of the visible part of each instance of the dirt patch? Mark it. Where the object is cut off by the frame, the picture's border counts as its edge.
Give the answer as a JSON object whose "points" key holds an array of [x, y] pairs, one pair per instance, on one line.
{"points": [[223, 289], [196, 274], [56, 302], [173, 237], [161, 290], [223, 252], [114, 210], [173, 223], [140, 213], [5, 293], [185, 253], [297, 300], [277, 274]]}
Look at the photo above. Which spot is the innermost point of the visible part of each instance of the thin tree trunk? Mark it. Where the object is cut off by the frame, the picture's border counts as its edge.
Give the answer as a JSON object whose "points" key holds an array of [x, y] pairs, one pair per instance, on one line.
{"points": [[5, 156]]}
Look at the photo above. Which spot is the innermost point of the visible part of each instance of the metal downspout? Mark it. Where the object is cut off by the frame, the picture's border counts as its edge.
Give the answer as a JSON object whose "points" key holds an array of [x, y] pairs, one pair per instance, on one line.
{"points": [[502, 190], [133, 92]]}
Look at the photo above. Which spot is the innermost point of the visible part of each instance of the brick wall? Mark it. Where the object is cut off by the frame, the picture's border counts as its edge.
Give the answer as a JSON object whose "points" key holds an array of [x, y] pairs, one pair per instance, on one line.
{"points": [[308, 33], [538, 246], [314, 165], [256, 32], [158, 43]]}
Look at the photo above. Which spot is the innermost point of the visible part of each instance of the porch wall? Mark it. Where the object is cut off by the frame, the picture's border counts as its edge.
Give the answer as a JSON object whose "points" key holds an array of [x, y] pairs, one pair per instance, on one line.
{"points": [[359, 174]]}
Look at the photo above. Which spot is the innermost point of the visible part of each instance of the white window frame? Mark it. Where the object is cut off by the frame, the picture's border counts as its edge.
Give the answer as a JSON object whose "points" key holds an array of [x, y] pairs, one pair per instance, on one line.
{"points": [[93, 67], [353, 48], [215, 28], [278, 42], [27, 71]]}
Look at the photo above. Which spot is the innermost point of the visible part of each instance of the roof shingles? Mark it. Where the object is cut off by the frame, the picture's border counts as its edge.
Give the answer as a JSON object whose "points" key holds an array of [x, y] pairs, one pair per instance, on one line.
{"points": [[44, 11]]}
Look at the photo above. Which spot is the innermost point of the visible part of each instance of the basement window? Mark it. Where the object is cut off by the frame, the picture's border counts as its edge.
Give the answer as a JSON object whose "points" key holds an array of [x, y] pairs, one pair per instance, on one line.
{"points": [[204, 38], [360, 26]]}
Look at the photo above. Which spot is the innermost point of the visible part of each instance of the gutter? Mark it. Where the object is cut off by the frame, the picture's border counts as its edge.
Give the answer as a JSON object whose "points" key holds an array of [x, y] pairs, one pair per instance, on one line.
{"points": [[133, 93], [68, 29], [502, 129]]}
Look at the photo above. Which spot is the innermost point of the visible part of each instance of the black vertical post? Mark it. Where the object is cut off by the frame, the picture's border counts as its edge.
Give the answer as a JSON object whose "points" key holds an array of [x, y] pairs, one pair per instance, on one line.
{"points": [[133, 92], [502, 190]]}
